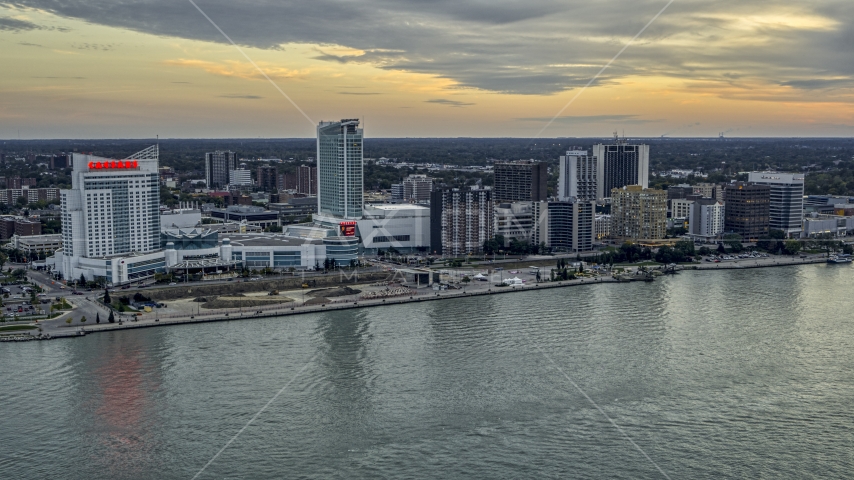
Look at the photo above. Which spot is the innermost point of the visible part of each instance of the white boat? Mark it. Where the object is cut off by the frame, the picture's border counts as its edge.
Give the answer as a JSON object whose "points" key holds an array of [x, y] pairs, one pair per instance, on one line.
{"points": [[839, 258]]}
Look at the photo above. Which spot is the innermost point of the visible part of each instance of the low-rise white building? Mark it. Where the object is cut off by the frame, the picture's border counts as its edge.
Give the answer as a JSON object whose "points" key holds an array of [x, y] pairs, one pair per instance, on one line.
{"points": [[240, 177], [706, 220], [406, 227], [37, 243]]}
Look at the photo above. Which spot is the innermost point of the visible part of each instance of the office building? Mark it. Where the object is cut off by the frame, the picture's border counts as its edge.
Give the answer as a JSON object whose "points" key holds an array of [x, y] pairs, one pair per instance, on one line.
{"points": [[397, 192], [570, 225], [111, 219], [340, 169], [294, 209], [620, 164], [239, 178], [679, 192], [417, 188], [60, 161], [786, 207], [267, 178], [747, 211], [706, 219], [460, 221], [638, 213], [578, 176], [217, 167], [520, 181]]}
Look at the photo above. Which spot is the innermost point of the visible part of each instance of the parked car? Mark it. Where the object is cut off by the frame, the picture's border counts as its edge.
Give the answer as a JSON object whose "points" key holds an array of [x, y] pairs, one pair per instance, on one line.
{"points": [[173, 283]]}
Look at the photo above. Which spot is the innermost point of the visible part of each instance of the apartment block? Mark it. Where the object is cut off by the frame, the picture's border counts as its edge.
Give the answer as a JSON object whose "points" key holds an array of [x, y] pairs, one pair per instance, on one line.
{"points": [[638, 213]]}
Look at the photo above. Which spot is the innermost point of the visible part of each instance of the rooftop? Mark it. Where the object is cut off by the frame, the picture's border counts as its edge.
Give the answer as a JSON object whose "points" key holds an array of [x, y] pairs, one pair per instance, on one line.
{"points": [[269, 240]]}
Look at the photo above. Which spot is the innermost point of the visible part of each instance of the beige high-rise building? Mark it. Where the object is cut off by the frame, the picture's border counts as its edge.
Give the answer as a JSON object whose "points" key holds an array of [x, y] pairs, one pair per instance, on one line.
{"points": [[638, 213]]}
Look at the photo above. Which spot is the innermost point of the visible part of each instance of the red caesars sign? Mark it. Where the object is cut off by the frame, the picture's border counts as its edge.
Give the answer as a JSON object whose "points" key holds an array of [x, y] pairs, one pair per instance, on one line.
{"points": [[347, 229], [113, 165]]}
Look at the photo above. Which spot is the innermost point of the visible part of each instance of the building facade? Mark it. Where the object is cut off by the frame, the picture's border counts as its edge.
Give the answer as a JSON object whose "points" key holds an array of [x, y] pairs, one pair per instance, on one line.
{"points": [[709, 190], [638, 213], [249, 214], [460, 221], [239, 178], [267, 178], [217, 166], [747, 211], [620, 165], [680, 208], [31, 195], [578, 176], [520, 181], [571, 225], [514, 221], [417, 188], [22, 227], [602, 226], [111, 218], [340, 168], [786, 207], [706, 219], [37, 243], [306, 180]]}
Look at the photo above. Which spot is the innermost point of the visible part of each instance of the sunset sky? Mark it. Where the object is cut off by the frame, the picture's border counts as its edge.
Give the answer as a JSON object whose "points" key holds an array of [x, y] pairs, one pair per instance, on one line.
{"points": [[415, 68]]}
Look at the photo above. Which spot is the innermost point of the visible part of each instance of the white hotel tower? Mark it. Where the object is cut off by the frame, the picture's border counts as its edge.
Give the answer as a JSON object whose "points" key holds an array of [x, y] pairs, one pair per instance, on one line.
{"points": [[111, 219]]}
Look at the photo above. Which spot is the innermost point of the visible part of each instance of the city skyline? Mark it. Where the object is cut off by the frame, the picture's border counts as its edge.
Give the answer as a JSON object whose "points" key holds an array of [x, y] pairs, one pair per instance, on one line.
{"points": [[88, 70]]}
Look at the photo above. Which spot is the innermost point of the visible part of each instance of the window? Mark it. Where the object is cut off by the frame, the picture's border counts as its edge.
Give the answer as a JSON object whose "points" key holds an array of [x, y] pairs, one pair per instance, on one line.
{"points": [[396, 238]]}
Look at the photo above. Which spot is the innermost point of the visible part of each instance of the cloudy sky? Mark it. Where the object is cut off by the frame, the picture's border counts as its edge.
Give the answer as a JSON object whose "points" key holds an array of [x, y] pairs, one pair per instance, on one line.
{"points": [[135, 69]]}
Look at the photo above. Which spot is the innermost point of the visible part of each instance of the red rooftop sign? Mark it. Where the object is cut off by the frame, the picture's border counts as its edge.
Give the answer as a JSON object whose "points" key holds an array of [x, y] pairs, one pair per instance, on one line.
{"points": [[114, 164]]}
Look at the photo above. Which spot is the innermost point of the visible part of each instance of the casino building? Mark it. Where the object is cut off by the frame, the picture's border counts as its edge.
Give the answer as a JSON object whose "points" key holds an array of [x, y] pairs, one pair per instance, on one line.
{"points": [[111, 219]]}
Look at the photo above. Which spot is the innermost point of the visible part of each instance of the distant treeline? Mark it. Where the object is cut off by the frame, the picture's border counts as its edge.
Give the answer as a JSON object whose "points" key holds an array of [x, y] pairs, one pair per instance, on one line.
{"points": [[827, 161]]}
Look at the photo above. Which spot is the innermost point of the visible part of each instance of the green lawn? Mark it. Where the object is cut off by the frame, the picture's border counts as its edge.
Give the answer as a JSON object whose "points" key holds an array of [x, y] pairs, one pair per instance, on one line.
{"points": [[11, 328]]}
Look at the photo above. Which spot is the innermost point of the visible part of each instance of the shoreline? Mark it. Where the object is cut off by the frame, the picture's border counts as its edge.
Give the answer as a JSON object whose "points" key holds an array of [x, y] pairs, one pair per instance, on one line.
{"points": [[425, 296]]}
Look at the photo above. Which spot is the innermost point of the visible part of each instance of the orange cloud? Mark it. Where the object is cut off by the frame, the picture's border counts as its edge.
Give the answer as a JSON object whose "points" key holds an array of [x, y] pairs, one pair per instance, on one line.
{"points": [[235, 69]]}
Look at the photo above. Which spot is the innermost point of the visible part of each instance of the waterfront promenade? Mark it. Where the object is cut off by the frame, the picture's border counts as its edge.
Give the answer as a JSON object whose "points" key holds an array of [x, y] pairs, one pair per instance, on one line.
{"points": [[184, 312]]}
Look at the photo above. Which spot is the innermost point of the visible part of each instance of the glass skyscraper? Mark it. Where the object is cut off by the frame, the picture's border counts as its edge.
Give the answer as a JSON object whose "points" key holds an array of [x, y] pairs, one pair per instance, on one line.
{"points": [[340, 168]]}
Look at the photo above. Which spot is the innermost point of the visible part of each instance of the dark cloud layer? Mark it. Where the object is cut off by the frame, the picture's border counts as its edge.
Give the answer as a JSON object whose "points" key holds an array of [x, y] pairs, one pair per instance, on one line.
{"points": [[450, 103], [532, 47], [15, 25]]}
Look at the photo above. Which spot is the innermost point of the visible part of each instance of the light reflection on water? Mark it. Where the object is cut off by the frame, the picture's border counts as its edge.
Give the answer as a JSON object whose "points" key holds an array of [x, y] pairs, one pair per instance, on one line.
{"points": [[726, 374]]}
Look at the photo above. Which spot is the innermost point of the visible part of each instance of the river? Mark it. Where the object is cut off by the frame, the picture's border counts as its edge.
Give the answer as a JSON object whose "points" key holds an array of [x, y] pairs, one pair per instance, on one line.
{"points": [[729, 374]]}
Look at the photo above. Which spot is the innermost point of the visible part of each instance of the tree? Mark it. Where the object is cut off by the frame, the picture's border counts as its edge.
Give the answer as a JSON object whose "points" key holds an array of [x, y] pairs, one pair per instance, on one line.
{"points": [[792, 247], [82, 279], [68, 320], [107, 299], [83, 319], [111, 318], [98, 317], [721, 248]]}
